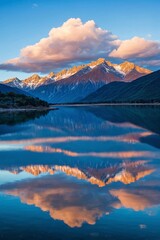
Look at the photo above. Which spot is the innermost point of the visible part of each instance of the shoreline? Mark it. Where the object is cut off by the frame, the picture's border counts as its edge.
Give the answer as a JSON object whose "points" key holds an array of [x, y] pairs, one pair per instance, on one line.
{"points": [[26, 109], [54, 106], [103, 104]]}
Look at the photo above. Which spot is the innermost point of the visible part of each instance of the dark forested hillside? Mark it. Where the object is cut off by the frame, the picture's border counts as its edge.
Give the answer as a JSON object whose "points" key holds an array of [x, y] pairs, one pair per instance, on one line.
{"points": [[14, 100], [145, 89]]}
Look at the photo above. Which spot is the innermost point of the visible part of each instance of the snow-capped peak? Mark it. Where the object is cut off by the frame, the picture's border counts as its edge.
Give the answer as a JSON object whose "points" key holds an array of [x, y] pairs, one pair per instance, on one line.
{"points": [[119, 69], [51, 75], [99, 70], [13, 82], [96, 63]]}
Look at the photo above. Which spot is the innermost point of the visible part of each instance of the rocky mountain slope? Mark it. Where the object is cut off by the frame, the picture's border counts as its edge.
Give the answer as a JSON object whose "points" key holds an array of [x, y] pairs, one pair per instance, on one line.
{"points": [[76, 83]]}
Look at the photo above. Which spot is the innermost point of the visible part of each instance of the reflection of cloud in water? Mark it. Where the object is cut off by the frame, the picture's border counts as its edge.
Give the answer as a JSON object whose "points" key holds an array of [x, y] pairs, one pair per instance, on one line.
{"points": [[137, 199], [121, 154], [76, 202], [64, 199]]}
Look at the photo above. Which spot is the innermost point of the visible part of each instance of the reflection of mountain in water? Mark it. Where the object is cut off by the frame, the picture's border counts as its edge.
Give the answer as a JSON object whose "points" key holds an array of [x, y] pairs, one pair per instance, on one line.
{"points": [[124, 172], [147, 117], [107, 120], [86, 161], [83, 133], [153, 140], [32, 169], [92, 120]]}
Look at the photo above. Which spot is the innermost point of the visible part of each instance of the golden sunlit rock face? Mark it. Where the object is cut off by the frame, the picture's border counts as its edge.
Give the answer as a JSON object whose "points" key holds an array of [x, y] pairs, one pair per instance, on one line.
{"points": [[129, 66]]}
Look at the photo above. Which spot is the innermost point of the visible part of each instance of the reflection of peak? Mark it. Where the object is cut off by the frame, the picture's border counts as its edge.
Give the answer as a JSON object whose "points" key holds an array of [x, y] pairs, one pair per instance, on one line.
{"points": [[38, 169], [125, 172], [15, 170], [79, 175], [127, 177], [32, 169], [71, 171]]}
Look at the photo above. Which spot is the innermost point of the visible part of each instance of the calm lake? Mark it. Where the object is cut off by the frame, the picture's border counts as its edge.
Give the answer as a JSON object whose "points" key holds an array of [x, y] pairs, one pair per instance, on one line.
{"points": [[80, 173]]}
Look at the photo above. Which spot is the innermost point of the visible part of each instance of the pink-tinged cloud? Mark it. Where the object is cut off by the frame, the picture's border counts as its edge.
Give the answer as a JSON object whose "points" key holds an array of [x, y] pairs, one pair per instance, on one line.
{"points": [[73, 202], [136, 47], [74, 41]]}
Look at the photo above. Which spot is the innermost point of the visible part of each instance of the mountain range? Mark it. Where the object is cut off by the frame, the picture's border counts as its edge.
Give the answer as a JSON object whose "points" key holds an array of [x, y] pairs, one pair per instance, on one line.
{"points": [[74, 84]]}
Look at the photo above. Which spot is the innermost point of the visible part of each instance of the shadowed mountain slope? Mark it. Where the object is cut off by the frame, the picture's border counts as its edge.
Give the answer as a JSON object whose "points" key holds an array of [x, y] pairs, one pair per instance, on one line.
{"points": [[144, 89]]}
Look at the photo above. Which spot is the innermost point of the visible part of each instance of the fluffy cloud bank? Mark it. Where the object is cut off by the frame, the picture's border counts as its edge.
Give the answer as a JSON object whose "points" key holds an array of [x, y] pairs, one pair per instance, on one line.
{"points": [[75, 42], [72, 42], [136, 47]]}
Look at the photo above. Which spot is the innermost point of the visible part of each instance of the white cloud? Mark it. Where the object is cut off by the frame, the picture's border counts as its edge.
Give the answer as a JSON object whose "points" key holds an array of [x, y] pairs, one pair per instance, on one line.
{"points": [[71, 42], [75, 42], [136, 47]]}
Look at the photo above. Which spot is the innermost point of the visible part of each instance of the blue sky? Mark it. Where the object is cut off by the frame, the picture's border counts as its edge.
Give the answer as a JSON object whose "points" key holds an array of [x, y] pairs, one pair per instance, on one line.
{"points": [[25, 22]]}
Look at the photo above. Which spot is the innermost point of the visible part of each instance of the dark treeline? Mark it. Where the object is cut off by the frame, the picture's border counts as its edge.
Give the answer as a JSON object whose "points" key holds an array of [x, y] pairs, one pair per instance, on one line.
{"points": [[14, 100]]}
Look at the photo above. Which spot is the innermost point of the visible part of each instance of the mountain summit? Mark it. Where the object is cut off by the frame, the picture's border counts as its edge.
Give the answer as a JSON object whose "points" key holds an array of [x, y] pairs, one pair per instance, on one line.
{"points": [[74, 84]]}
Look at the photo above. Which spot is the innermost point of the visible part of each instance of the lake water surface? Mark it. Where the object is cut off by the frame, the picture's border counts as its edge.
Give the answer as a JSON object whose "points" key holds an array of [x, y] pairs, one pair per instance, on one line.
{"points": [[80, 173]]}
